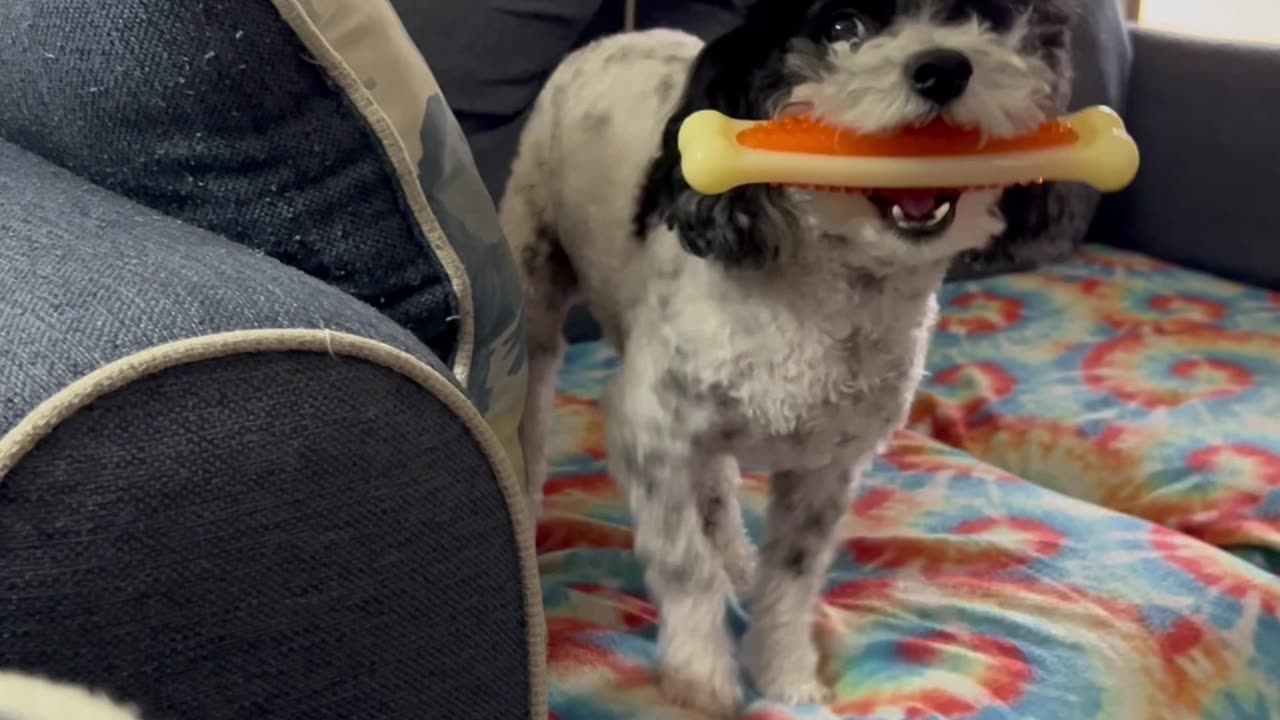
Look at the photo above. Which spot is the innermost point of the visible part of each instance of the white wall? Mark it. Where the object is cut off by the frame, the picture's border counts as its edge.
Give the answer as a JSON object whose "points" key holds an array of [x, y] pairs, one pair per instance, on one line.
{"points": [[1252, 20]]}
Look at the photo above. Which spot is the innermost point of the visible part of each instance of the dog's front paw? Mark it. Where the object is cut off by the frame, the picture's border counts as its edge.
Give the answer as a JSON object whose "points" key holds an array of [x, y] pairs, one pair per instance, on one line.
{"points": [[710, 687], [787, 671]]}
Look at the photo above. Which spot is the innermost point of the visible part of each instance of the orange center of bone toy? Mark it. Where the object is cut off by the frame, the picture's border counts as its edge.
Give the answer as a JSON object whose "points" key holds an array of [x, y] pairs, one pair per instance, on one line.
{"points": [[807, 135]]}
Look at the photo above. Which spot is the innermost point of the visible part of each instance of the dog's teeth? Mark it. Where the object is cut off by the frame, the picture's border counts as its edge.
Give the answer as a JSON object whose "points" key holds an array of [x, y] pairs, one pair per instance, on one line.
{"points": [[935, 218], [940, 213]]}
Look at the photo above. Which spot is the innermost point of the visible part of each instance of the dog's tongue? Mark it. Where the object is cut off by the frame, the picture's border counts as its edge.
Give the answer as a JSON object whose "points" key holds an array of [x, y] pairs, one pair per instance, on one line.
{"points": [[916, 204]]}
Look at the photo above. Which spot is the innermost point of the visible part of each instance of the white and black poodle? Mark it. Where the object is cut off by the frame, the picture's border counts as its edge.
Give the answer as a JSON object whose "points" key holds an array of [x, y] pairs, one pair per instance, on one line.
{"points": [[777, 327]]}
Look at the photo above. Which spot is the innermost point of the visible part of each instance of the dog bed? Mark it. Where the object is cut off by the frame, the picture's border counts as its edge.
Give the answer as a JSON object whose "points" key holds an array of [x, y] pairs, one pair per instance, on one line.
{"points": [[962, 589]]}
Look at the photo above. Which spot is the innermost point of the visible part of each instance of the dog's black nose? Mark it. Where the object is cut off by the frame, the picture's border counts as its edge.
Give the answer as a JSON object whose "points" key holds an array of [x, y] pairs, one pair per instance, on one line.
{"points": [[939, 75]]}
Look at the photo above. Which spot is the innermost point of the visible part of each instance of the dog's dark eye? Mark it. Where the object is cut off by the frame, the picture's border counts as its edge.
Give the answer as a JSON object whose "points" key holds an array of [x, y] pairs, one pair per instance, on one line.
{"points": [[847, 27]]}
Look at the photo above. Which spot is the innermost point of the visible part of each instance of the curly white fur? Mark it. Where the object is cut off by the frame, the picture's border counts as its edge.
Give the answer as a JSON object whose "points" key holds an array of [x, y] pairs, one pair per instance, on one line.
{"points": [[863, 86]]}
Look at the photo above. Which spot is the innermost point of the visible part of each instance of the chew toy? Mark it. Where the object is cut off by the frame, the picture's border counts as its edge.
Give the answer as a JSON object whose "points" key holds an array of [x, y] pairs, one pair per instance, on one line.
{"points": [[719, 153]]}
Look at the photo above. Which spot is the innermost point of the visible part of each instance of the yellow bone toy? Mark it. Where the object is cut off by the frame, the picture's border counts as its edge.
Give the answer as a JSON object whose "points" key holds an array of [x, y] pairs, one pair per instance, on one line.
{"points": [[719, 153]]}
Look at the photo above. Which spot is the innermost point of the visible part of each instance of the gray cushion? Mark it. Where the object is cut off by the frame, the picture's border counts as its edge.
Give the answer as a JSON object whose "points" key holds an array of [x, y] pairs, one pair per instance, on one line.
{"points": [[90, 278], [288, 535], [213, 112], [1204, 114]]}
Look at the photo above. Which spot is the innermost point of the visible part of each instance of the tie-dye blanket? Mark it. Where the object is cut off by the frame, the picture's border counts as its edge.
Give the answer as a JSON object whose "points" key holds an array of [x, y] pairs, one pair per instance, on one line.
{"points": [[965, 591], [1123, 381]]}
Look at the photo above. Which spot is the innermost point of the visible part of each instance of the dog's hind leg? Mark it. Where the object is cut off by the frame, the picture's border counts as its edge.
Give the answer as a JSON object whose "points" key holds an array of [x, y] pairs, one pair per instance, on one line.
{"points": [[550, 289], [717, 488]]}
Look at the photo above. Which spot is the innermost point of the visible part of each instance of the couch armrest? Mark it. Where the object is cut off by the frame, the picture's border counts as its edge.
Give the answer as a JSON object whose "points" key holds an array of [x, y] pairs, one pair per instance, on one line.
{"points": [[229, 489], [1203, 113]]}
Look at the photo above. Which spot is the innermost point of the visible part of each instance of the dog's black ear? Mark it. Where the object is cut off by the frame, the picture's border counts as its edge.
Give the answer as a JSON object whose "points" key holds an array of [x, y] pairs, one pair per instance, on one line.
{"points": [[739, 74], [740, 228], [1049, 35], [1043, 224]]}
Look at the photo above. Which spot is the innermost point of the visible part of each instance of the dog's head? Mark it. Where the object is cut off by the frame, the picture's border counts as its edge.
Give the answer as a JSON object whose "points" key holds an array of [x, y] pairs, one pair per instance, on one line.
{"points": [[1000, 66]]}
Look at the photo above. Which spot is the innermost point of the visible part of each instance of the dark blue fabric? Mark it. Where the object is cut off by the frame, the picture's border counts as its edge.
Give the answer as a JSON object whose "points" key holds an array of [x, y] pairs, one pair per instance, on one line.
{"points": [[88, 277], [267, 537], [212, 112], [491, 57], [283, 535]]}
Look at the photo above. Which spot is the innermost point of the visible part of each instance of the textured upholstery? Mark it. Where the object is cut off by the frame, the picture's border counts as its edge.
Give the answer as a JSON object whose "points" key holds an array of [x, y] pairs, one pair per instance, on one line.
{"points": [[267, 536], [219, 117], [276, 534], [364, 50], [90, 278]]}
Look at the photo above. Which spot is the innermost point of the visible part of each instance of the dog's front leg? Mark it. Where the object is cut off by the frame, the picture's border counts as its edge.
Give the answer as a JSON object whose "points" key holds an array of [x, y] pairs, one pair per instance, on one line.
{"points": [[682, 570], [717, 490], [804, 509]]}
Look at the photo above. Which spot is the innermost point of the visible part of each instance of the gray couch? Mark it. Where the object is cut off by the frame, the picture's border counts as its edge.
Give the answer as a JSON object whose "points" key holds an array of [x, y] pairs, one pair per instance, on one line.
{"points": [[229, 485], [239, 475], [1203, 113], [212, 524]]}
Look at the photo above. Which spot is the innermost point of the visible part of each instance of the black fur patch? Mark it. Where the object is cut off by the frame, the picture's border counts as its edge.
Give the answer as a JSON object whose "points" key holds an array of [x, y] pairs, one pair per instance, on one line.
{"points": [[734, 228], [711, 512], [740, 74], [797, 561], [1044, 224]]}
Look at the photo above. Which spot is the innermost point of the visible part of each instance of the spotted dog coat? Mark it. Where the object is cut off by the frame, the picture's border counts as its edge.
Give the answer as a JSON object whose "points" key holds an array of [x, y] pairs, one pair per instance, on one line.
{"points": [[774, 327]]}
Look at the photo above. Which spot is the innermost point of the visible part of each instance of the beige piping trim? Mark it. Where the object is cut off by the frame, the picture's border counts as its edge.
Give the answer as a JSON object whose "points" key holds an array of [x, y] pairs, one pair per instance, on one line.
{"points": [[406, 173], [116, 375]]}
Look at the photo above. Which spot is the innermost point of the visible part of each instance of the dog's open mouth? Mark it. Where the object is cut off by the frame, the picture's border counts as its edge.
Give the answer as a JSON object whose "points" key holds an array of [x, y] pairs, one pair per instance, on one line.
{"points": [[917, 213]]}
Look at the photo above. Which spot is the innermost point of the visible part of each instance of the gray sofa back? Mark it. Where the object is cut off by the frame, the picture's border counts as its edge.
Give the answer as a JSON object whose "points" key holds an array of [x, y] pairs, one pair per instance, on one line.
{"points": [[1204, 114]]}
